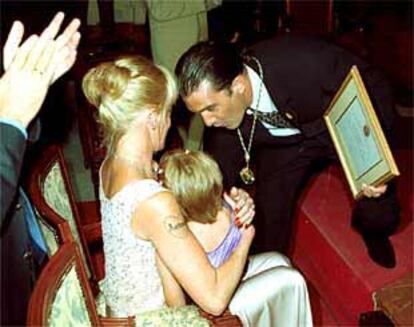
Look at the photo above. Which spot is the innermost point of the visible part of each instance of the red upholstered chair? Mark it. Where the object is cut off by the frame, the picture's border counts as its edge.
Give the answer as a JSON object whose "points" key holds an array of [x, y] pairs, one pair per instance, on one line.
{"points": [[63, 296]]}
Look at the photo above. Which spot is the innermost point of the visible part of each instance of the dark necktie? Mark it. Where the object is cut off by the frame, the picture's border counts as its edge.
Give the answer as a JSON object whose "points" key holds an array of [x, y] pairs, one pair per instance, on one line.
{"points": [[273, 118]]}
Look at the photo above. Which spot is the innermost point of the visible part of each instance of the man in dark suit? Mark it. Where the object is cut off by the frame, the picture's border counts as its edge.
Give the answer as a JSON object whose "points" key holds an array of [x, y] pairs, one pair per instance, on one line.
{"points": [[267, 108], [30, 68]]}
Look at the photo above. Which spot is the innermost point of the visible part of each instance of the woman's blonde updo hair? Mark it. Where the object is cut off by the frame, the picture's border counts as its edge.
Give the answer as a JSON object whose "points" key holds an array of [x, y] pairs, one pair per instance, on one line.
{"points": [[120, 89], [196, 181]]}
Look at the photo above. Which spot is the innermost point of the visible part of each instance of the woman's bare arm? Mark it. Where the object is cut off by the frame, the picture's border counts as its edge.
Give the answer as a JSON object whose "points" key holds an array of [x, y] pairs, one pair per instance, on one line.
{"points": [[173, 293], [164, 225]]}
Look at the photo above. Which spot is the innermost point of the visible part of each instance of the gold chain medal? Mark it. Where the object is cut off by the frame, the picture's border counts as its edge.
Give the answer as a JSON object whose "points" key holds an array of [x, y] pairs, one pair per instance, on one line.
{"points": [[246, 174]]}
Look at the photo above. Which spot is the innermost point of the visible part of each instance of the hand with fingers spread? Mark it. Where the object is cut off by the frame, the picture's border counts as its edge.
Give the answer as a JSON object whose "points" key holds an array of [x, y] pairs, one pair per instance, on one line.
{"points": [[66, 44], [22, 89], [243, 206], [31, 67]]}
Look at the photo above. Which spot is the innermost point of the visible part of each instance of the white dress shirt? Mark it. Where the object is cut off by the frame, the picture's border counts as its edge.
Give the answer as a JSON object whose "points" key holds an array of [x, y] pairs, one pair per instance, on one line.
{"points": [[266, 105]]}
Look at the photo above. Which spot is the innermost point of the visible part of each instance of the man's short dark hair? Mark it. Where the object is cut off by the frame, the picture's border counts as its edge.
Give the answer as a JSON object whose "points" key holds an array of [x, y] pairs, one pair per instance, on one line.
{"points": [[218, 63]]}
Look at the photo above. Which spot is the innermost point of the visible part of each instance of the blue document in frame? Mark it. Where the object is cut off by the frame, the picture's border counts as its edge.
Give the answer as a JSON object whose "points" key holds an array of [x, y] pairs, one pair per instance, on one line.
{"points": [[356, 135]]}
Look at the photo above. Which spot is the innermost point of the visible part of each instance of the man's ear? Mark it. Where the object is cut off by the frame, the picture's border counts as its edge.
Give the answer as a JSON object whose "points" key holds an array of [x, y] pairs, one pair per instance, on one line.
{"points": [[238, 85]]}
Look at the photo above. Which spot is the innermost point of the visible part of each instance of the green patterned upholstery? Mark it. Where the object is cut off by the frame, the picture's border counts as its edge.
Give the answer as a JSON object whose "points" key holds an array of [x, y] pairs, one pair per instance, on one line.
{"points": [[56, 196], [183, 316], [62, 295], [187, 316], [69, 306], [49, 235]]}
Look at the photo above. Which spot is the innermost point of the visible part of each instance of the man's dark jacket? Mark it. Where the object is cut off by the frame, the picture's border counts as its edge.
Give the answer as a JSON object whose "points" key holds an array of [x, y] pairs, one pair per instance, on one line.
{"points": [[16, 260], [303, 74]]}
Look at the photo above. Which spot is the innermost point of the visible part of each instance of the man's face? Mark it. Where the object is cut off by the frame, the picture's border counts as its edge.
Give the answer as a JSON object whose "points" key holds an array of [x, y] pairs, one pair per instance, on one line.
{"points": [[218, 108]]}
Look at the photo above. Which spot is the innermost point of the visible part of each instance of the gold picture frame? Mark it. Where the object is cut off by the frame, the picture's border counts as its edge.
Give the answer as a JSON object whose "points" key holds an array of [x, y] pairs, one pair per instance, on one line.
{"points": [[357, 135]]}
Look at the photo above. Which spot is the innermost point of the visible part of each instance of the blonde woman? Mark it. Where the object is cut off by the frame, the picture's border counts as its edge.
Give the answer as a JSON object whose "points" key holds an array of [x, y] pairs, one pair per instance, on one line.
{"points": [[271, 293], [146, 239]]}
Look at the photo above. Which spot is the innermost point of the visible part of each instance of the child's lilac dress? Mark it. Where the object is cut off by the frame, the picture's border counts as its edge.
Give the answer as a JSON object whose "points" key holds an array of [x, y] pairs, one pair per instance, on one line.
{"points": [[222, 252]]}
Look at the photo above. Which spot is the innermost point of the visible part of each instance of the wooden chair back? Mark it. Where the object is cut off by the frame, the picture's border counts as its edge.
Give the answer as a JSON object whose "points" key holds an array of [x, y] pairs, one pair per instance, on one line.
{"points": [[63, 296], [52, 196]]}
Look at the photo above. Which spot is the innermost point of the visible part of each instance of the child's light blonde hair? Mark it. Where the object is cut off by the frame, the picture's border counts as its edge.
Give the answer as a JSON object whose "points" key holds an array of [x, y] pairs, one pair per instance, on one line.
{"points": [[120, 89], [195, 179]]}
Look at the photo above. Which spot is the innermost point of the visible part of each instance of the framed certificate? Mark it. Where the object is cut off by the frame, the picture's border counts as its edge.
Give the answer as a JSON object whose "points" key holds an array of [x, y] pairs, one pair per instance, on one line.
{"points": [[357, 135]]}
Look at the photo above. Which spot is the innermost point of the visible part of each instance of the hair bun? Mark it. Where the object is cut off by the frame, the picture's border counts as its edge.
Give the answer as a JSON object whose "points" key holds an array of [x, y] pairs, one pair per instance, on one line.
{"points": [[107, 80]]}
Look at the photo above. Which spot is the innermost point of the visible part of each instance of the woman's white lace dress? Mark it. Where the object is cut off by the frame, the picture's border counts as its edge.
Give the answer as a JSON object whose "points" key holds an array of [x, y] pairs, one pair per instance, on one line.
{"points": [[132, 282], [132, 285]]}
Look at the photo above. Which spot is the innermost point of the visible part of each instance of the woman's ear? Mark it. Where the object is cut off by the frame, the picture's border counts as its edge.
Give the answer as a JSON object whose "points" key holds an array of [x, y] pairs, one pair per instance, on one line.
{"points": [[152, 119]]}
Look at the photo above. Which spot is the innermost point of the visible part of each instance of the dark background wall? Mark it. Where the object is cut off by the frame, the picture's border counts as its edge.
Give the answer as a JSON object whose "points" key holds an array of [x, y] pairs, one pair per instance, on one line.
{"points": [[379, 31]]}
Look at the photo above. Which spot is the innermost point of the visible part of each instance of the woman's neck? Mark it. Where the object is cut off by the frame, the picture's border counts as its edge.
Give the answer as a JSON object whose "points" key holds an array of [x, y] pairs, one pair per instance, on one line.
{"points": [[138, 156], [144, 168]]}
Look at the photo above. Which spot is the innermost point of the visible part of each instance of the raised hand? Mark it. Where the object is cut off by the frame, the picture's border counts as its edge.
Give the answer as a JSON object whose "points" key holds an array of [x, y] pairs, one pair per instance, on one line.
{"points": [[65, 47], [67, 44], [31, 67]]}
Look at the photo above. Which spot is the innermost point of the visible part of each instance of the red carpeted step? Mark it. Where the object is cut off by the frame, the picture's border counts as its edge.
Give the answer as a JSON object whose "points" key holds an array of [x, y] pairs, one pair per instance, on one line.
{"points": [[333, 257], [321, 313]]}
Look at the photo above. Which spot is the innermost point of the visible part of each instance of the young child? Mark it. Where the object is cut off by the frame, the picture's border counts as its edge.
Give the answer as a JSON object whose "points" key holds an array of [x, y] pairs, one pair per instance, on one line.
{"points": [[271, 293], [196, 181]]}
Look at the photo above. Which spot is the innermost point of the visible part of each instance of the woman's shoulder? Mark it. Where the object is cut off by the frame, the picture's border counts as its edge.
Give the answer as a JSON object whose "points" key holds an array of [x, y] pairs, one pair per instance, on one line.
{"points": [[163, 200], [158, 210], [136, 189], [117, 183]]}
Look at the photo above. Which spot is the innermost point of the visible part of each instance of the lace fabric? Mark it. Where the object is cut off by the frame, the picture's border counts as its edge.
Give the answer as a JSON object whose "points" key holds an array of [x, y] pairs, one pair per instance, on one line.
{"points": [[132, 283]]}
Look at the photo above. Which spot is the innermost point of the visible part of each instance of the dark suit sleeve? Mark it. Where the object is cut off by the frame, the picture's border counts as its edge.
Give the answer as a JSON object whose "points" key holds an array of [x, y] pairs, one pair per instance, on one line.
{"points": [[380, 92], [12, 149], [376, 83]]}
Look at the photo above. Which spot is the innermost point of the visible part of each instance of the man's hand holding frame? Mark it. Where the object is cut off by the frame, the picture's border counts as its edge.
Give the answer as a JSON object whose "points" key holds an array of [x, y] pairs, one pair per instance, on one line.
{"points": [[357, 135]]}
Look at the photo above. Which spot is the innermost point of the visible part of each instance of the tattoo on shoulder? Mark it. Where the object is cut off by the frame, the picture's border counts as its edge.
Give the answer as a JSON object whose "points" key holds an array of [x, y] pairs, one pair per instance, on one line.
{"points": [[175, 226]]}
